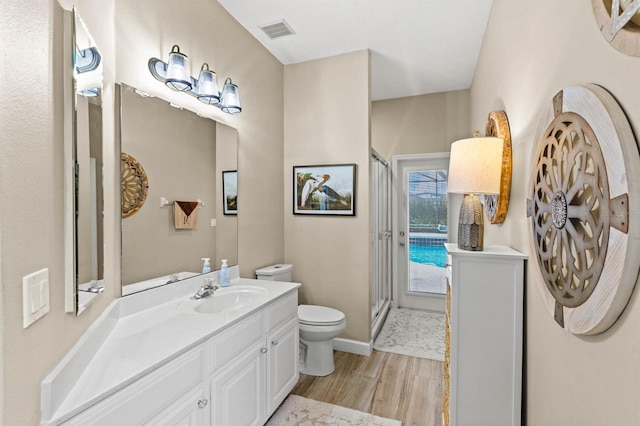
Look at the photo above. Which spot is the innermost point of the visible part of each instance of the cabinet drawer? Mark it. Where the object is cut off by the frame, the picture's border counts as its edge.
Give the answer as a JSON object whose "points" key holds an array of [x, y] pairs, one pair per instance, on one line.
{"points": [[281, 311], [147, 396], [235, 340]]}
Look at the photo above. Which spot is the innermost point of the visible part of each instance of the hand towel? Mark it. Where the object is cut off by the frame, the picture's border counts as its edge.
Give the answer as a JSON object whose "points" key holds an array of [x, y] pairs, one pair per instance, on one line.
{"points": [[185, 214]]}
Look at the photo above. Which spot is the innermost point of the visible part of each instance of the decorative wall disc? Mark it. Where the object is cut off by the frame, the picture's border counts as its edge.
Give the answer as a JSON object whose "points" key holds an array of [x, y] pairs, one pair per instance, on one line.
{"points": [[497, 206], [619, 23], [584, 185], [134, 185]]}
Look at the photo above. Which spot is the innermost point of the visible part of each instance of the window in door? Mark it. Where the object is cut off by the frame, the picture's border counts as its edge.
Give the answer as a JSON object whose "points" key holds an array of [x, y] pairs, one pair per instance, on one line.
{"points": [[428, 229]]}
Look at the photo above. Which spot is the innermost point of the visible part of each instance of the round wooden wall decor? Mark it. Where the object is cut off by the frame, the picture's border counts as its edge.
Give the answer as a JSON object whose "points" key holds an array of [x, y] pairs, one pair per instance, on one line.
{"points": [[134, 185], [585, 209], [497, 206], [619, 23]]}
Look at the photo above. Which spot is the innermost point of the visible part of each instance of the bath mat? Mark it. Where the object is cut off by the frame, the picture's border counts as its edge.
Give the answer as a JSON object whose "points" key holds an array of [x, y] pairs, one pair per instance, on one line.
{"points": [[413, 332], [299, 411]]}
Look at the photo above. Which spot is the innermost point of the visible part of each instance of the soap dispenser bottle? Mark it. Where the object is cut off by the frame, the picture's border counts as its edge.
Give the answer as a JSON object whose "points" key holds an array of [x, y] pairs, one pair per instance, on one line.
{"points": [[206, 266], [224, 274]]}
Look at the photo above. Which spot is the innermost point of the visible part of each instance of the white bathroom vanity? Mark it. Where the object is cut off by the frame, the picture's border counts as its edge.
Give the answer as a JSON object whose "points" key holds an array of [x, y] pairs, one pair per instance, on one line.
{"points": [[162, 357]]}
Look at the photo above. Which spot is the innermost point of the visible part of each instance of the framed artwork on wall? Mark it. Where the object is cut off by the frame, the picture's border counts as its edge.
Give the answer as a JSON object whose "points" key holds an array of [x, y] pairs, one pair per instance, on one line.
{"points": [[324, 190], [230, 192]]}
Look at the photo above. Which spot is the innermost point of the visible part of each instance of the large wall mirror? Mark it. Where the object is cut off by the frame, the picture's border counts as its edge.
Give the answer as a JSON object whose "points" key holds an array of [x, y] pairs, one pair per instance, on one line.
{"points": [[176, 208], [83, 165]]}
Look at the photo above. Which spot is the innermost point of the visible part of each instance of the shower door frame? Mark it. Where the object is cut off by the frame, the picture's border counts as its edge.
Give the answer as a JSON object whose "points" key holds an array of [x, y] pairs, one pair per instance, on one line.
{"points": [[381, 242]]}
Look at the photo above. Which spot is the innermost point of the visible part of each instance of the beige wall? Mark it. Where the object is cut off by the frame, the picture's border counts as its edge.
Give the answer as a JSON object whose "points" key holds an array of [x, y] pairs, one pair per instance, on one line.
{"points": [[177, 150], [327, 109], [420, 124], [31, 176], [531, 51], [31, 190]]}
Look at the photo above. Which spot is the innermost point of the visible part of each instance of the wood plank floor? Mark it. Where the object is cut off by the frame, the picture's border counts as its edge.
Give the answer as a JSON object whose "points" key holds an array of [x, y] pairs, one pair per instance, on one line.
{"points": [[385, 384]]}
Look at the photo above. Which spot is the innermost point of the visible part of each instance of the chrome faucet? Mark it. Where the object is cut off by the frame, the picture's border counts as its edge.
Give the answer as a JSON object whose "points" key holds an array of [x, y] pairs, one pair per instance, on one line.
{"points": [[207, 289]]}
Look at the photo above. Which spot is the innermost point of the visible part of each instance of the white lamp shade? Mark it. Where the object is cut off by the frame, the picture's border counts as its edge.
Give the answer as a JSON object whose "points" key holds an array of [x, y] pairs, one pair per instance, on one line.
{"points": [[475, 166]]}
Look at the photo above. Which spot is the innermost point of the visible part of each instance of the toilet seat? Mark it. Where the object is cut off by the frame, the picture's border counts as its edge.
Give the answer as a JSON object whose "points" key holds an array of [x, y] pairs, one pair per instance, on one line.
{"points": [[319, 315]]}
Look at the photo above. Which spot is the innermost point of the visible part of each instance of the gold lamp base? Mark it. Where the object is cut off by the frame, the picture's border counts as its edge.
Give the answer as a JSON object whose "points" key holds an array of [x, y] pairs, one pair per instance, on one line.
{"points": [[471, 224]]}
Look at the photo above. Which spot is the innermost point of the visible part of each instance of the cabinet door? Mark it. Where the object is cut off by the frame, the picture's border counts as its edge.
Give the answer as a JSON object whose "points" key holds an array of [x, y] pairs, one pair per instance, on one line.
{"points": [[282, 372], [189, 410], [238, 390], [147, 396]]}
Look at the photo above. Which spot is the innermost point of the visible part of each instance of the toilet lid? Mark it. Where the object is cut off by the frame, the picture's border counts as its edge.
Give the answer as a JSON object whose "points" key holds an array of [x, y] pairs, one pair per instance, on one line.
{"points": [[319, 315]]}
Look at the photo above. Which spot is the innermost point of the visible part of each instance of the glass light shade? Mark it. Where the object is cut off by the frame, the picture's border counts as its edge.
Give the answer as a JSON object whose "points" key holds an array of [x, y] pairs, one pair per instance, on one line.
{"points": [[475, 166], [89, 93], [178, 77], [207, 86], [230, 99]]}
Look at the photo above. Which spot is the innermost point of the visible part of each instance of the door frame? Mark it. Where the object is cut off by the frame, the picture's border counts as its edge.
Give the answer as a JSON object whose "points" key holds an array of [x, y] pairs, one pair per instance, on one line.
{"points": [[432, 302]]}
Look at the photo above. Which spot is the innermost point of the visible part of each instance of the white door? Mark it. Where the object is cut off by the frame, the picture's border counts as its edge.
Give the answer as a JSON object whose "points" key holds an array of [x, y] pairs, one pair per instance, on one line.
{"points": [[420, 228]]}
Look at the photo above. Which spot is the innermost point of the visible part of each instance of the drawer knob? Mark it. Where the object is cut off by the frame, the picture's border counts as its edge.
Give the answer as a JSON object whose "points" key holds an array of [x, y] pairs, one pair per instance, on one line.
{"points": [[203, 403], [263, 350], [274, 342]]}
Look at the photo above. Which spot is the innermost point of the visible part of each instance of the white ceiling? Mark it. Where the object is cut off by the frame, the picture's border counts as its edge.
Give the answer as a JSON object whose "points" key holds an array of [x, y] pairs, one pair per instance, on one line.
{"points": [[417, 46]]}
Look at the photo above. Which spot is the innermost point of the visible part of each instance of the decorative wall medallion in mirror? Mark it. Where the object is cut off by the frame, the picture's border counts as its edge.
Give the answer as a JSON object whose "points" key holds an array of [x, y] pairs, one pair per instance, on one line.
{"points": [[84, 257], [585, 199], [184, 156], [619, 23], [498, 205], [134, 185]]}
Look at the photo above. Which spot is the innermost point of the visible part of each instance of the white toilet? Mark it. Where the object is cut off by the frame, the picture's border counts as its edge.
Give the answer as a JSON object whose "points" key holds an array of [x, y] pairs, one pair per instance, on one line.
{"points": [[318, 326]]}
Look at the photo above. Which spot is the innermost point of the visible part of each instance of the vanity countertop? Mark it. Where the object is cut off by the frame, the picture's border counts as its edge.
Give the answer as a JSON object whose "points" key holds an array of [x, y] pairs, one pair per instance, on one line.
{"points": [[142, 341]]}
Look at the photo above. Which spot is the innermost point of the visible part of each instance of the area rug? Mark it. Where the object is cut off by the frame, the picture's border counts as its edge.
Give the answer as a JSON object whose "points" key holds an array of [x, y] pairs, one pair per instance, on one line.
{"points": [[299, 411], [413, 332]]}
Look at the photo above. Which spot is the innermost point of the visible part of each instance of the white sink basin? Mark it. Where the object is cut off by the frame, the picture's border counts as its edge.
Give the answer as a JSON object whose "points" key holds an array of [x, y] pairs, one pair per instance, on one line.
{"points": [[227, 299]]}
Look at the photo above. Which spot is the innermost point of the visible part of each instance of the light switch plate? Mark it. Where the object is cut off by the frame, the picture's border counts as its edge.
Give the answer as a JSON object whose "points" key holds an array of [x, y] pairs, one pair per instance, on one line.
{"points": [[35, 296], [213, 222]]}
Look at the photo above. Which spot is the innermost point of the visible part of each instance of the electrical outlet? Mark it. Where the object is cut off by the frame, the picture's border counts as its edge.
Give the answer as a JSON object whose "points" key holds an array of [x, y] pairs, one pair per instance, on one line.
{"points": [[35, 296]]}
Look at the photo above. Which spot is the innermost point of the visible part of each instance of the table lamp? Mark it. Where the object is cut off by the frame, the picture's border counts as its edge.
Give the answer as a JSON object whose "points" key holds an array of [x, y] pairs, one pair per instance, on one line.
{"points": [[475, 168]]}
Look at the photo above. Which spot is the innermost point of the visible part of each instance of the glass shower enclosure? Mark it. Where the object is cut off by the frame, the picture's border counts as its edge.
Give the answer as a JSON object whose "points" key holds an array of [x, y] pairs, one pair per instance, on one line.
{"points": [[380, 240]]}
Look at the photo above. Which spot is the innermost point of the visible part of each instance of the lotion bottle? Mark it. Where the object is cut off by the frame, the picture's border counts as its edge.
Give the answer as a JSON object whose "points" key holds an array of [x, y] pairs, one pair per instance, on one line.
{"points": [[224, 274], [206, 267]]}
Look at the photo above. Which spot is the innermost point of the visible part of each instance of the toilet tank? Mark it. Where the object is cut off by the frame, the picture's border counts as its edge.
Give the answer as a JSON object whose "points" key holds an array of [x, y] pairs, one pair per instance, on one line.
{"points": [[279, 272]]}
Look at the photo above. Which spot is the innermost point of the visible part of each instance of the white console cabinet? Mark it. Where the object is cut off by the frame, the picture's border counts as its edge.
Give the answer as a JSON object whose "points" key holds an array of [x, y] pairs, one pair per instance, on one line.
{"points": [[483, 360], [238, 377]]}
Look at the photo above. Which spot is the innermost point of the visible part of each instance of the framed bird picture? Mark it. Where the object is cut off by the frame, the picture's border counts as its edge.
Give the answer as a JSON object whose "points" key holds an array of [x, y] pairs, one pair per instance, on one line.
{"points": [[325, 190], [230, 192]]}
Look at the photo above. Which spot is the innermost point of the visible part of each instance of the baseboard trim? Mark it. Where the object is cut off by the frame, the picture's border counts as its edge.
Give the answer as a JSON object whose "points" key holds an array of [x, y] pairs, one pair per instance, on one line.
{"points": [[353, 346]]}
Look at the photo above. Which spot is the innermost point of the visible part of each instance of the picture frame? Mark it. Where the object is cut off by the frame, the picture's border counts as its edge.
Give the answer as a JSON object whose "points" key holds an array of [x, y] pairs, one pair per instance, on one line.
{"points": [[326, 190], [230, 192]]}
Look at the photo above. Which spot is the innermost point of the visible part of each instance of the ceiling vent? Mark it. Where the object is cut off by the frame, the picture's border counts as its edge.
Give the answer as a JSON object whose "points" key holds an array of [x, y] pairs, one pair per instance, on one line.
{"points": [[277, 29]]}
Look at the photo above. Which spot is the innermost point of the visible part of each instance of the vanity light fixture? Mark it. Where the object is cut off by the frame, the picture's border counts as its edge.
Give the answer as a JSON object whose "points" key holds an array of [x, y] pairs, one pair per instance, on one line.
{"points": [[176, 76], [86, 60], [89, 93]]}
